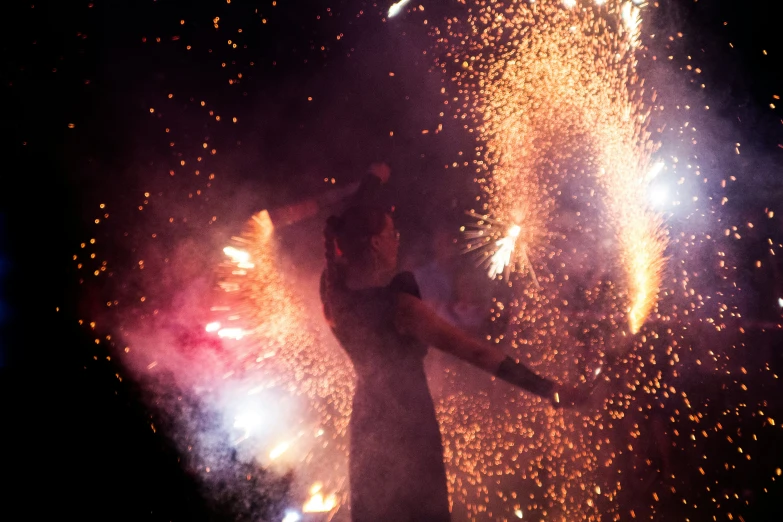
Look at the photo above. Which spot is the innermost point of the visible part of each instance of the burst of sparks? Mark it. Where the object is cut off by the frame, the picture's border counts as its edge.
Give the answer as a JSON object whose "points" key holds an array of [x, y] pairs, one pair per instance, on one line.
{"points": [[553, 94]]}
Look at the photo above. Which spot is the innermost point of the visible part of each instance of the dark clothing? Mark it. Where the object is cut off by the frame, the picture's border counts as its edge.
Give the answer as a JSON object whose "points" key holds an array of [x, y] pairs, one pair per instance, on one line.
{"points": [[396, 454]]}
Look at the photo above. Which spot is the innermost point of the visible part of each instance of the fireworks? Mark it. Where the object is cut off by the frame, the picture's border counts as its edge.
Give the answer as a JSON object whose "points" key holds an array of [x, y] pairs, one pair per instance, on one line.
{"points": [[564, 158], [273, 344]]}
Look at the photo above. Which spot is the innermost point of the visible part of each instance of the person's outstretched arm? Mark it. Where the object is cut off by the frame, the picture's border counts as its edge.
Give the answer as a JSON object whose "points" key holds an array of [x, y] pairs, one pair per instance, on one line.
{"points": [[415, 318]]}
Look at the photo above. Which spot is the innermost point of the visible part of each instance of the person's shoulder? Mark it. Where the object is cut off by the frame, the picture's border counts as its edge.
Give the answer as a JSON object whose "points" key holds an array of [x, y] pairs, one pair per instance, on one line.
{"points": [[405, 282]]}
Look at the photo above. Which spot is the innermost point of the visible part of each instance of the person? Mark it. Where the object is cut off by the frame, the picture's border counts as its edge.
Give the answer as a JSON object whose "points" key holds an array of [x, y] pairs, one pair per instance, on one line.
{"points": [[396, 469]]}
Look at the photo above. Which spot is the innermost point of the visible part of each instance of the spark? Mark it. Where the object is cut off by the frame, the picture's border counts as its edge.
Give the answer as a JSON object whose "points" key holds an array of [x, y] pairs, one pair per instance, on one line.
{"points": [[780, 302], [396, 7]]}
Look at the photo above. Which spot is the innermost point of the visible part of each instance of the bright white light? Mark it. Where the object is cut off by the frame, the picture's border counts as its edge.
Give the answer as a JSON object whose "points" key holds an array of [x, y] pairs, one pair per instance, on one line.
{"points": [[292, 516], [247, 421], [600, 2], [395, 8], [659, 195], [518, 513], [502, 256], [569, 3], [232, 333], [597, 372], [240, 257], [213, 327], [654, 171], [780, 302]]}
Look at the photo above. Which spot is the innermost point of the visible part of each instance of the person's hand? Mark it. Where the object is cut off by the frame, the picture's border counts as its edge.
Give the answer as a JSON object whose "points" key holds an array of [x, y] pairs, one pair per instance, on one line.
{"points": [[565, 396], [381, 171]]}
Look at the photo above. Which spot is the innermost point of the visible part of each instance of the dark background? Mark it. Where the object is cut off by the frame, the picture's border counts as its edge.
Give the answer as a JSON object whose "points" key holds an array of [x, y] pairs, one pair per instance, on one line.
{"points": [[76, 440]]}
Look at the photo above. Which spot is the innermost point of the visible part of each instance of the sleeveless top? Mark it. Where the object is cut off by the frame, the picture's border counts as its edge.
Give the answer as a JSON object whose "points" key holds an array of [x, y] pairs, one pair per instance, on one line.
{"points": [[396, 454]]}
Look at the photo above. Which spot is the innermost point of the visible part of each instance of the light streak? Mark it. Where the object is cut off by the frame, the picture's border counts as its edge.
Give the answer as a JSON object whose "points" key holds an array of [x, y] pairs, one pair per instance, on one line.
{"points": [[231, 333], [279, 450], [396, 7], [212, 327]]}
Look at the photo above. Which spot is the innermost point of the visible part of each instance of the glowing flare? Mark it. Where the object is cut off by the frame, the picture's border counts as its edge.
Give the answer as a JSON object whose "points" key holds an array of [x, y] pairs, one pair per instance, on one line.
{"points": [[317, 503], [395, 8], [240, 257], [645, 269], [502, 256]]}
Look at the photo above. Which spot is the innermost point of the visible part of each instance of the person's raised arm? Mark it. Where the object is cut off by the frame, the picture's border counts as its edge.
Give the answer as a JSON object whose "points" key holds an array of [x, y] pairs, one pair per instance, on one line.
{"points": [[416, 319]]}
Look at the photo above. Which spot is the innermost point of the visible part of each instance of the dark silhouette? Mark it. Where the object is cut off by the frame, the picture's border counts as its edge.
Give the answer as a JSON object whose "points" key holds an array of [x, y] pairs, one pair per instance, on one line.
{"points": [[396, 455]]}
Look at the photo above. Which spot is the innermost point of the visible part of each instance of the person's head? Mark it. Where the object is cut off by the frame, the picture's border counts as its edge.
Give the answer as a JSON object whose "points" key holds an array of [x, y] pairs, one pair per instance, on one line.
{"points": [[365, 238]]}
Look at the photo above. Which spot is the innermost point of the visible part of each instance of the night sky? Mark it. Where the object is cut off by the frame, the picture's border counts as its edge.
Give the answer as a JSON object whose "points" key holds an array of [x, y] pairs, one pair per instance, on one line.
{"points": [[319, 91]]}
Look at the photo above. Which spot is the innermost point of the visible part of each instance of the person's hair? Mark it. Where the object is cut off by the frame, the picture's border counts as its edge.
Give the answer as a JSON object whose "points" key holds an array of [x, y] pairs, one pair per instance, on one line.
{"points": [[347, 237]]}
